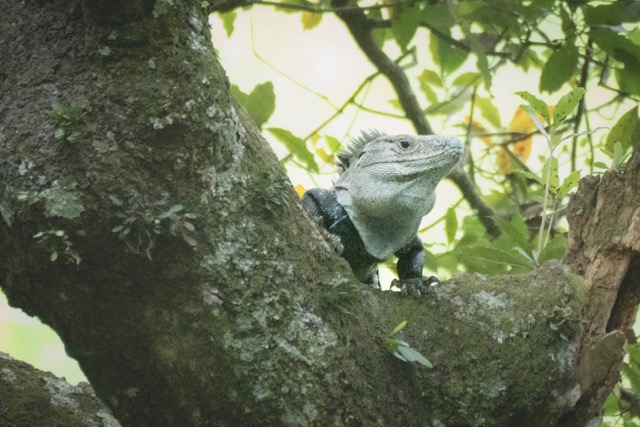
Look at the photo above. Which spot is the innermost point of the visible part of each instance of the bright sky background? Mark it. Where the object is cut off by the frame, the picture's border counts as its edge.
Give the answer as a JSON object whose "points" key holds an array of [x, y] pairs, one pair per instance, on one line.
{"points": [[324, 60]]}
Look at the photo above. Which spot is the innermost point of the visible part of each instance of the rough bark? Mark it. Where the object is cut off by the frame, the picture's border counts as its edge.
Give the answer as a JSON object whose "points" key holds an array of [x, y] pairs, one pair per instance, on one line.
{"points": [[604, 248], [29, 397], [157, 126], [242, 319]]}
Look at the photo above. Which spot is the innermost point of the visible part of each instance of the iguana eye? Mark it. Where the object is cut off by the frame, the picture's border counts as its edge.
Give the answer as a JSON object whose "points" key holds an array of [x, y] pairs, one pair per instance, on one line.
{"points": [[404, 143]]}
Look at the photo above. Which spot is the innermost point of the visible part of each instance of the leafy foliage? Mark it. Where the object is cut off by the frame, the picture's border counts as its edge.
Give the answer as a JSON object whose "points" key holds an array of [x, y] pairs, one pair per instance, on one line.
{"points": [[341, 296], [274, 194], [260, 103], [142, 222], [622, 404], [402, 350], [57, 243], [60, 199], [66, 117]]}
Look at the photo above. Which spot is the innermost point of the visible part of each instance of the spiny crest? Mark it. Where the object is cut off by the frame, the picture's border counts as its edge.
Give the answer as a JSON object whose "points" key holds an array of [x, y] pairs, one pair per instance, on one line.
{"points": [[355, 147]]}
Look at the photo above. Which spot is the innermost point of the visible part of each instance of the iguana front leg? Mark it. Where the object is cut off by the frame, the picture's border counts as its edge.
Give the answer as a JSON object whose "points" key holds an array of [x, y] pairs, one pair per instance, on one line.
{"points": [[409, 266], [410, 260], [338, 229], [319, 204]]}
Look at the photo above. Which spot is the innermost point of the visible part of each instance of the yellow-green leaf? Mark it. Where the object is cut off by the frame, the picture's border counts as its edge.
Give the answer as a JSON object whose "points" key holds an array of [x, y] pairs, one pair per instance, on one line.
{"points": [[451, 224], [566, 105], [296, 146], [626, 131], [537, 104], [310, 20]]}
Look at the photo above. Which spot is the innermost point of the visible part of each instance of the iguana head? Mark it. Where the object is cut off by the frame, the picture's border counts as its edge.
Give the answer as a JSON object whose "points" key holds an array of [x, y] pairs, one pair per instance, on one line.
{"points": [[389, 181]]}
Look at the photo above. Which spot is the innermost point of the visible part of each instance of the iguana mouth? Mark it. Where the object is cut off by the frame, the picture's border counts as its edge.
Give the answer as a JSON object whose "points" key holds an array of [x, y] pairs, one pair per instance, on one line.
{"points": [[406, 177], [446, 155]]}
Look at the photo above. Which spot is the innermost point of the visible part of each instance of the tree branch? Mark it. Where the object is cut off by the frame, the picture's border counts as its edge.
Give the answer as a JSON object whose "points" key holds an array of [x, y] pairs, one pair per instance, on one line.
{"points": [[31, 397], [584, 76], [359, 26], [227, 5]]}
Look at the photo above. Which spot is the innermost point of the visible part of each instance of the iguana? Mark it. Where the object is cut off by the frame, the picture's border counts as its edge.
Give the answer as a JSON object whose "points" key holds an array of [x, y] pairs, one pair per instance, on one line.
{"points": [[386, 185]]}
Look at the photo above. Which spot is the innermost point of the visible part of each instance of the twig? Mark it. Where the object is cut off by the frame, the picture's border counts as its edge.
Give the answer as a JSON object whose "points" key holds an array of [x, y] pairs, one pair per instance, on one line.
{"points": [[360, 28], [468, 136], [226, 6], [584, 76], [285, 75]]}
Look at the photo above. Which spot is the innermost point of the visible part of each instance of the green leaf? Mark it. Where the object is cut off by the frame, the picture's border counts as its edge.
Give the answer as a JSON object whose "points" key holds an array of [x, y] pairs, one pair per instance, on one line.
{"points": [[451, 106], [468, 78], [629, 78], [623, 50], [605, 14], [411, 355], [635, 36], [429, 93], [333, 143], [516, 230], [228, 20], [489, 111], [451, 224], [482, 62], [380, 35], [399, 327], [600, 165], [535, 119], [260, 103], [555, 249], [619, 156], [172, 210], [430, 78], [430, 261], [448, 57], [632, 376], [310, 20], [569, 183], [537, 104], [404, 25], [395, 104], [115, 200], [611, 406], [296, 146], [559, 68], [438, 15], [189, 240], [492, 255], [554, 179], [566, 105], [58, 134], [626, 131], [568, 25]]}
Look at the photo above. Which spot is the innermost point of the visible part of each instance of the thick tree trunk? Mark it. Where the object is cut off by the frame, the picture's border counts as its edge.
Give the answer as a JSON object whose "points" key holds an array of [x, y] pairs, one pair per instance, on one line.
{"points": [[175, 339], [114, 114]]}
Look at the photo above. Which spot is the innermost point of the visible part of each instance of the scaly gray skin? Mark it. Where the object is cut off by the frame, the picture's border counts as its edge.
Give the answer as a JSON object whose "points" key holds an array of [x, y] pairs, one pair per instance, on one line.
{"points": [[387, 184]]}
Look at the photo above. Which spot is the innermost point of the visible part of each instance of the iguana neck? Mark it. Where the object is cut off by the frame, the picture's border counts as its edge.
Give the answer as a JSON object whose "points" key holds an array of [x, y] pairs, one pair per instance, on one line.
{"points": [[389, 185]]}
